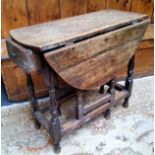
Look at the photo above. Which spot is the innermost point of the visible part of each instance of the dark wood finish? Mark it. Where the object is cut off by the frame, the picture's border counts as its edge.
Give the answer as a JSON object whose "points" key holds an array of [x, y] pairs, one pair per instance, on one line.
{"points": [[129, 81], [54, 125]]}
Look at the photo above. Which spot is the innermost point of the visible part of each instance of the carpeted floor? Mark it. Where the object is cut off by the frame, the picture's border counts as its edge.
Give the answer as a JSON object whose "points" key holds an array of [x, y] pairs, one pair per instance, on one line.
{"points": [[128, 132]]}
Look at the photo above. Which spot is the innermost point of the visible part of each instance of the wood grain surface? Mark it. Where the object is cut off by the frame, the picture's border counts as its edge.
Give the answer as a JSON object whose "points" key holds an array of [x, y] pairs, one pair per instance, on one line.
{"points": [[14, 79], [42, 10], [76, 53], [143, 6], [96, 5], [14, 15], [25, 58], [62, 31], [72, 7], [98, 70], [123, 5], [92, 62]]}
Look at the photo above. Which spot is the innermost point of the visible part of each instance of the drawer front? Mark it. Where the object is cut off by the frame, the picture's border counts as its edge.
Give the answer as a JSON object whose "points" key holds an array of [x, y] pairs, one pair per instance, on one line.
{"points": [[93, 62]]}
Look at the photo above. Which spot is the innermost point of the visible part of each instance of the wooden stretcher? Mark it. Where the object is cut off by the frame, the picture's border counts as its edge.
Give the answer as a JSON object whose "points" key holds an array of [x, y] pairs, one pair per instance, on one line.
{"points": [[86, 51]]}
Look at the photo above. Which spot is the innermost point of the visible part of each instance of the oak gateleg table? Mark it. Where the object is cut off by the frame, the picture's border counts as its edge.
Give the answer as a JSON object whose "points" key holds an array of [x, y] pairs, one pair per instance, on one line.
{"points": [[86, 51]]}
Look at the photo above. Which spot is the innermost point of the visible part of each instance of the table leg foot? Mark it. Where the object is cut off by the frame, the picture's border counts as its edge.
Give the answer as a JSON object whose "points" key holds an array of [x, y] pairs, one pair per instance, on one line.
{"points": [[57, 148], [107, 114], [126, 103]]}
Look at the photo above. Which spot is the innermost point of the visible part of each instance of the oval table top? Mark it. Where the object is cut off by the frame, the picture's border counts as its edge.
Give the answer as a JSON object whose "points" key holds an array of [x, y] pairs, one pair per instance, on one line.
{"points": [[46, 36]]}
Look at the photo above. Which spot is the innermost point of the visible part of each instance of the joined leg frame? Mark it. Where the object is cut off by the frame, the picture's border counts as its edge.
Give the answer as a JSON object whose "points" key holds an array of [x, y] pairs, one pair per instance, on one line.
{"points": [[84, 112], [53, 126]]}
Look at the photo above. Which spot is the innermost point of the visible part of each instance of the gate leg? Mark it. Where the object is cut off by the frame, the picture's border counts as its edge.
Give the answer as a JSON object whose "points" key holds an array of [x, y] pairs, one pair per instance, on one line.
{"points": [[32, 99], [129, 81], [54, 126]]}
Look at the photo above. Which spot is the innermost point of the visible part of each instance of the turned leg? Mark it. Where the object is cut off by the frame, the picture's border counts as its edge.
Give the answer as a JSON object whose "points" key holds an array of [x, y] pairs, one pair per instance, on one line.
{"points": [[32, 99], [80, 104], [58, 104], [54, 126], [129, 81], [107, 113]]}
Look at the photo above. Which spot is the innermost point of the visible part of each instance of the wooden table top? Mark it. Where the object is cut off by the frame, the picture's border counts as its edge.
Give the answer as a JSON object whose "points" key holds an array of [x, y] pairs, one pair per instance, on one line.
{"points": [[53, 34]]}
